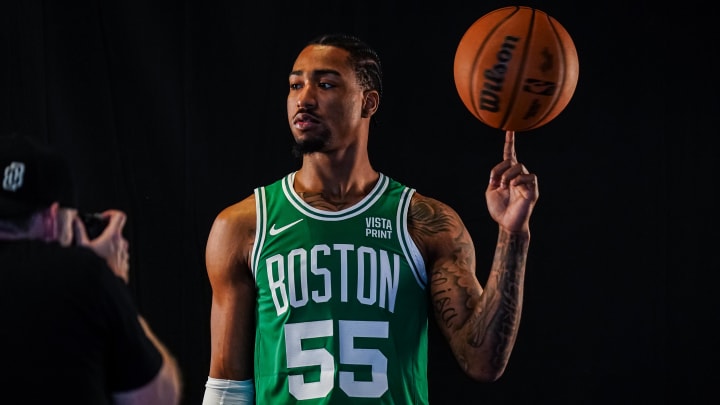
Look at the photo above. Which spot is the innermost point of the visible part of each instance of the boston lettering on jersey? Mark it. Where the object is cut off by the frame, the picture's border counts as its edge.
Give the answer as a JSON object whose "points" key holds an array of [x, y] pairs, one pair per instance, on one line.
{"points": [[376, 277]]}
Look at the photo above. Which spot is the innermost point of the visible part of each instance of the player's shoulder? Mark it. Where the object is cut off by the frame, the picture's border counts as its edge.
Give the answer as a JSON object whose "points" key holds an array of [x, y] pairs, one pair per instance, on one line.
{"points": [[423, 202], [431, 216], [240, 211]]}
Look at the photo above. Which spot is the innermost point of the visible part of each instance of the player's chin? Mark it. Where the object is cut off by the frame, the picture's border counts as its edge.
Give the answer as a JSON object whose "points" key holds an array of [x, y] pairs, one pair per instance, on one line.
{"points": [[308, 144]]}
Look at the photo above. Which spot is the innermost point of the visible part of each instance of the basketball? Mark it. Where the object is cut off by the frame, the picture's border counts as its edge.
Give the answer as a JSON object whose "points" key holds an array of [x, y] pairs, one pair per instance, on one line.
{"points": [[516, 68]]}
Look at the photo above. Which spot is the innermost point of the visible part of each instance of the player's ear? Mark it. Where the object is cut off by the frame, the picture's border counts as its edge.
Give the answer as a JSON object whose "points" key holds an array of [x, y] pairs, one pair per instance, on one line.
{"points": [[370, 104]]}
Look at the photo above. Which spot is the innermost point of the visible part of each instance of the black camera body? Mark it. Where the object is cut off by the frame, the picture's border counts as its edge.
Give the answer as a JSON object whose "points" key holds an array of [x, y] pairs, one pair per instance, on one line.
{"points": [[94, 223]]}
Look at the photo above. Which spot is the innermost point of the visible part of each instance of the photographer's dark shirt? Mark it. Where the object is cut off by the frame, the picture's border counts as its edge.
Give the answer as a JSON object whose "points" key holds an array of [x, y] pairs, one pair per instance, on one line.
{"points": [[69, 329]]}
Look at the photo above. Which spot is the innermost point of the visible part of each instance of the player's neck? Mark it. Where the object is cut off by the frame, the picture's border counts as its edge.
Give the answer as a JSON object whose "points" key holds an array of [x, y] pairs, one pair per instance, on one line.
{"points": [[334, 188]]}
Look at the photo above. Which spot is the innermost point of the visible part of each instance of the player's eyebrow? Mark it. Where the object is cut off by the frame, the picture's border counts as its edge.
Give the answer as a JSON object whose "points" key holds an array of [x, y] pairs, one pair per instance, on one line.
{"points": [[318, 72]]}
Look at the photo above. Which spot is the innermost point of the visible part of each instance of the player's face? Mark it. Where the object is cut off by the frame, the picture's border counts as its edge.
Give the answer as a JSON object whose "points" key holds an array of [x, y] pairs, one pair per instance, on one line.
{"points": [[325, 101]]}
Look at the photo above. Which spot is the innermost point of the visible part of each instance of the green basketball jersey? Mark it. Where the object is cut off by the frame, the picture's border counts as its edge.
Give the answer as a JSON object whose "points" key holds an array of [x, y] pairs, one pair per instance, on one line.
{"points": [[341, 300]]}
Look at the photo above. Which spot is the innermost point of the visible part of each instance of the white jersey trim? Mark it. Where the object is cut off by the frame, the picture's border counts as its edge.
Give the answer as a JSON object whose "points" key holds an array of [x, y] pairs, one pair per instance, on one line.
{"points": [[410, 249], [260, 225], [322, 215]]}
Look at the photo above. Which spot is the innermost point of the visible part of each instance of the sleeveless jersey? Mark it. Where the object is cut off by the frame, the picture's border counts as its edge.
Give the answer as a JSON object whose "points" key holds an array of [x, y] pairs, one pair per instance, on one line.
{"points": [[341, 300]]}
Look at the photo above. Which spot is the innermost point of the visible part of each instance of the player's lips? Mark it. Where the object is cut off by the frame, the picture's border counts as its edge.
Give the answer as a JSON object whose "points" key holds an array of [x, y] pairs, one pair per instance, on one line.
{"points": [[304, 120]]}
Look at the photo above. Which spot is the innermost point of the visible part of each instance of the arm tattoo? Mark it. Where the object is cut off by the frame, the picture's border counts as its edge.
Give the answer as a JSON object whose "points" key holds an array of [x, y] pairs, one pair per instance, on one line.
{"points": [[428, 219], [441, 299], [505, 301], [457, 274], [492, 312]]}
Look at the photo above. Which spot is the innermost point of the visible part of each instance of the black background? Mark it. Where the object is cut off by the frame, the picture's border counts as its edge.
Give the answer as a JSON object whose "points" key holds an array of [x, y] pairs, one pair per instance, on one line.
{"points": [[172, 110]]}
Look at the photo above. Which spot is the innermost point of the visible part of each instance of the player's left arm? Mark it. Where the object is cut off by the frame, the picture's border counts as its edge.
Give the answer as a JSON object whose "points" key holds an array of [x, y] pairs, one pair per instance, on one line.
{"points": [[479, 323]]}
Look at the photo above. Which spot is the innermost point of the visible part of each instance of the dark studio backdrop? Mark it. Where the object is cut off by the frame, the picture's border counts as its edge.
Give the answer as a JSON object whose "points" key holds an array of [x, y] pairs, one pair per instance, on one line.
{"points": [[173, 110]]}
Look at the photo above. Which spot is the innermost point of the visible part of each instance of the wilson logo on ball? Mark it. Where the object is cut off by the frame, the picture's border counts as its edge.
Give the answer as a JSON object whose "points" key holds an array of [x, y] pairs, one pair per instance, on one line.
{"points": [[516, 68], [495, 76]]}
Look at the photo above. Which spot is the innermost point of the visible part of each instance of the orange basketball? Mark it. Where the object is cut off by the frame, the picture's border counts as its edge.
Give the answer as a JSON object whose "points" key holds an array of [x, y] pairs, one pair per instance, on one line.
{"points": [[516, 68]]}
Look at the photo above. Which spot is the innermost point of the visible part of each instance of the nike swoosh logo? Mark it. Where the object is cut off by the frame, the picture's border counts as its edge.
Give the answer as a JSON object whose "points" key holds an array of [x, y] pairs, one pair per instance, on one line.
{"points": [[274, 231]]}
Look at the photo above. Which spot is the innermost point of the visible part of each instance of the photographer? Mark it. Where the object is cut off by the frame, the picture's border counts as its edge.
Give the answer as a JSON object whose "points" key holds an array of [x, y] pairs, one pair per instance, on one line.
{"points": [[69, 329]]}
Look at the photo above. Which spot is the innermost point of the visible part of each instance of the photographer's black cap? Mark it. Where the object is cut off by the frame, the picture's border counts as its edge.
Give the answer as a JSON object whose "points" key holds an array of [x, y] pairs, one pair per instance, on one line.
{"points": [[32, 177]]}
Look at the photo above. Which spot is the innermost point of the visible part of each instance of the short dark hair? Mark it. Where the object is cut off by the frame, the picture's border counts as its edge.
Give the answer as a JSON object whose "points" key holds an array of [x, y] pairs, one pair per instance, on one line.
{"points": [[363, 59]]}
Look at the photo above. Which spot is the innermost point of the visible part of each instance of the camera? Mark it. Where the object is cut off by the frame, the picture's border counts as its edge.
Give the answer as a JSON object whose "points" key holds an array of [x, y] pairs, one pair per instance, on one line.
{"points": [[94, 224]]}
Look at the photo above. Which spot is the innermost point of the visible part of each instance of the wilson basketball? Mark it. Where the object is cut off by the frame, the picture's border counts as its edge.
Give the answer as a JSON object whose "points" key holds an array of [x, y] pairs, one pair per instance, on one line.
{"points": [[516, 68]]}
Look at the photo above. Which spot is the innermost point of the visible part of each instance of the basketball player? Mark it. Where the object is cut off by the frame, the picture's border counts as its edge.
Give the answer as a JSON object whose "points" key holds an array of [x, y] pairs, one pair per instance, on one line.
{"points": [[70, 330], [321, 280]]}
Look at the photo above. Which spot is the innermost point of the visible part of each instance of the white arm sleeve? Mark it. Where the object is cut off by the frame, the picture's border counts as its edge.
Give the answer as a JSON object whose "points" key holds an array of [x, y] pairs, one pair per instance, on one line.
{"points": [[229, 392]]}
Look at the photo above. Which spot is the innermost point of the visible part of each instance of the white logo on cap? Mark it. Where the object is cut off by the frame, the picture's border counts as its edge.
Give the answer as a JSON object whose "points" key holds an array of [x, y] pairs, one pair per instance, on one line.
{"points": [[13, 177]]}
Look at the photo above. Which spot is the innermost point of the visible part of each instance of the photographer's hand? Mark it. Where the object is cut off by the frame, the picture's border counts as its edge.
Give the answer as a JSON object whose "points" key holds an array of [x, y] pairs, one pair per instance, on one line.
{"points": [[110, 245]]}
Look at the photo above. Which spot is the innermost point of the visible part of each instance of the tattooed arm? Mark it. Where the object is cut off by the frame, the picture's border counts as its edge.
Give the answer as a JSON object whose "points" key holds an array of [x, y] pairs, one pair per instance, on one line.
{"points": [[480, 324]]}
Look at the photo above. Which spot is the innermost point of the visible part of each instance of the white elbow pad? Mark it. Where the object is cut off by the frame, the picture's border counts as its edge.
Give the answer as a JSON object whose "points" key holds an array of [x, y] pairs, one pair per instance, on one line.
{"points": [[229, 392]]}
